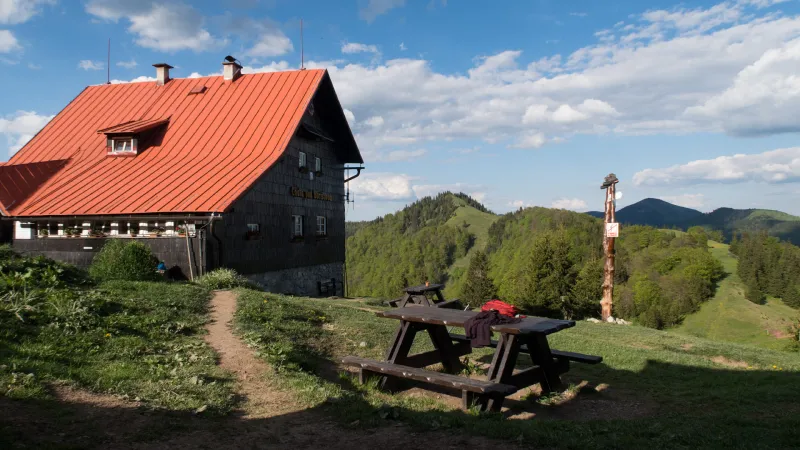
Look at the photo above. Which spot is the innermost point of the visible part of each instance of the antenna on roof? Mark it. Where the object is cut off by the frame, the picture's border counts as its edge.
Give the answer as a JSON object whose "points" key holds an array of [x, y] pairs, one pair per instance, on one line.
{"points": [[108, 63], [302, 48]]}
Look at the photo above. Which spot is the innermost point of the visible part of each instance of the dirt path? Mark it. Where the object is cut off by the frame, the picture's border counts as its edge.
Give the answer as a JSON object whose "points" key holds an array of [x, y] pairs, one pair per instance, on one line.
{"points": [[261, 398]]}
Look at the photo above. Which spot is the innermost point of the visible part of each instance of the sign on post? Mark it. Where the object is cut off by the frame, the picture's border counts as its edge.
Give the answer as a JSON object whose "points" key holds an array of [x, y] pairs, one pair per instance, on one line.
{"points": [[612, 230]]}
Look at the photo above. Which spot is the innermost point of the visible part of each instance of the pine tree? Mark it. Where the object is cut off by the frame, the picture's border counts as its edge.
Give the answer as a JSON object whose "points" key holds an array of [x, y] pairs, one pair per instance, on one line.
{"points": [[588, 290], [478, 286], [792, 296], [550, 275]]}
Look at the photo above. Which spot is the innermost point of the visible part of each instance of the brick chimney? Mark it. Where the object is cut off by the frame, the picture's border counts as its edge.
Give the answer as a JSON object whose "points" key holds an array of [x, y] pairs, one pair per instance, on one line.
{"points": [[162, 73], [231, 70]]}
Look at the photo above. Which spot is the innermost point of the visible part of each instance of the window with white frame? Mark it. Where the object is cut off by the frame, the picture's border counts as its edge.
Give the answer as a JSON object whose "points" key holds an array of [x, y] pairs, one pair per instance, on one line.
{"points": [[322, 226], [119, 145], [297, 226], [317, 165], [302, 159]]}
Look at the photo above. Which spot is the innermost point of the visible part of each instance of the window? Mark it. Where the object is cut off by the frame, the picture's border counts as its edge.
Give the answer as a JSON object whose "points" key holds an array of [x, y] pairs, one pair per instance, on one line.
{"points": [[322, 226], [302, 159], [317, 165], [122, 145], [297, 226], [253, 231]]}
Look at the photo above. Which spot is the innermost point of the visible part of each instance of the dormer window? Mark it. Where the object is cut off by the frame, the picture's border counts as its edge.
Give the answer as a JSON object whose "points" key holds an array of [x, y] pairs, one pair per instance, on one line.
{"points": [[123, 145], [125, 138]]}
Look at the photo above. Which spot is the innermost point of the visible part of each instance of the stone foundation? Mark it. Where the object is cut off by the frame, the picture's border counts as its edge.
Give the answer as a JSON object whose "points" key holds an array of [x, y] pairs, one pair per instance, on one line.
{"points": [[301, 281]]}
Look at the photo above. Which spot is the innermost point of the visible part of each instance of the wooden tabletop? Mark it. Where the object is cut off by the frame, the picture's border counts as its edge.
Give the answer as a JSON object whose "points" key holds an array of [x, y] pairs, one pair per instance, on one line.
{"points": [[422, 289], [457, 318]]}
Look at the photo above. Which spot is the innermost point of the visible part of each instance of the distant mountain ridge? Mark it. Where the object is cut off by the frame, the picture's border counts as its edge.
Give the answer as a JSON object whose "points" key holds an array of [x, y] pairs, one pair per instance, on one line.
{"points": [[659, 213]]}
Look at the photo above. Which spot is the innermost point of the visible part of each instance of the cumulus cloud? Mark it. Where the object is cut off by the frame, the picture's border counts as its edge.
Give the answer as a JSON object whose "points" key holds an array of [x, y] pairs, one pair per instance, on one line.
{"points": [[403, 47], [19, 11], [20, 127], [140, 79], [574, 204], [375, 8], [351, 118], [383, 186], [685, 200], [87, 64], [165, 26], [267, 38], [8, 42], [775, 166], [354, 47], [639, 77], [403, 155]]}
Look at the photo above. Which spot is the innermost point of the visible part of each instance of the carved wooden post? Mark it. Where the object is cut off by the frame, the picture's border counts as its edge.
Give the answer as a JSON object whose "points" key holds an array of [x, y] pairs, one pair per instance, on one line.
{"points": [[608, 246]]}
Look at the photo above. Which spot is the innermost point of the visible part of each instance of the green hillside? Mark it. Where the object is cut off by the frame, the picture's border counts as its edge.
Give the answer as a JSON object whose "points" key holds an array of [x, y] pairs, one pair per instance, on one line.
{"points": [[477, 223], [730, 317]]}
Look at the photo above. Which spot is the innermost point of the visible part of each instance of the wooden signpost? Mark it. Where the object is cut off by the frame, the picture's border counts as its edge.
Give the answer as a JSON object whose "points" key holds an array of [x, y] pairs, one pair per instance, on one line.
{"points": [[611, 232]]}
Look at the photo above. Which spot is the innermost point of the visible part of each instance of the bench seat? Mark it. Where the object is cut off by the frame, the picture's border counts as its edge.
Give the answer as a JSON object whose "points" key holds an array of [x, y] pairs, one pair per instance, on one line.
{"points": [[427, 376], [571, 356]]}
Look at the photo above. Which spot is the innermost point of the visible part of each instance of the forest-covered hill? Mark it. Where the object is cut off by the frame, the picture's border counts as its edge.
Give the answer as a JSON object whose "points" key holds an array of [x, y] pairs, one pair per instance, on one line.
{"points": [[658, 213], [546, 261]]}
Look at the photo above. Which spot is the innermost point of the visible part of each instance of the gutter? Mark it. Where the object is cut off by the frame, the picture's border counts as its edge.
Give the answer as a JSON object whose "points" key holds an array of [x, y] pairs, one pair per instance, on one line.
{"points": [[209, 217]]}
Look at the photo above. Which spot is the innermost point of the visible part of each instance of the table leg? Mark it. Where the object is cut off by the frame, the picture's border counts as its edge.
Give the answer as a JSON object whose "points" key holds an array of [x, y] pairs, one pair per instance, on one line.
{"points": [[502, 368], [541, 356], [399, 349], [444, 345]]}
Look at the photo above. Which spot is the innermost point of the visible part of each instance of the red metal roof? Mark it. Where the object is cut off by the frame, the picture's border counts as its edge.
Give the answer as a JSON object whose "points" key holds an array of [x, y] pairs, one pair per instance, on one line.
{"points": [[216, 145], [19, 181], [134, 126]]}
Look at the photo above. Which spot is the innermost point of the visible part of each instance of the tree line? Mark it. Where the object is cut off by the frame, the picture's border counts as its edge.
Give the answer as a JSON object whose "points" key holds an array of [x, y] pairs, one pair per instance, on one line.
{"points": [[768, 266]]}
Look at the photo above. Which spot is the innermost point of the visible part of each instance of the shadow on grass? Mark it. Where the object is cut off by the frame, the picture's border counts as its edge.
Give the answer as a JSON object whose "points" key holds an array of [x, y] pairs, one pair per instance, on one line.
{"points": [[706, 408]]}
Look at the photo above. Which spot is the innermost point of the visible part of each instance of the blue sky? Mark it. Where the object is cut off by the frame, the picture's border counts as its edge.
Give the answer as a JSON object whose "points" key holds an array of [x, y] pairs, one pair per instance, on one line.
{"points": [[517, 103]]}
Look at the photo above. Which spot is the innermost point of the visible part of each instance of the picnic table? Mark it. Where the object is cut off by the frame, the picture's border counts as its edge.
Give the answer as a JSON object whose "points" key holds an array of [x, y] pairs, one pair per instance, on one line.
{"points": [[424, 295], [529, 336]]}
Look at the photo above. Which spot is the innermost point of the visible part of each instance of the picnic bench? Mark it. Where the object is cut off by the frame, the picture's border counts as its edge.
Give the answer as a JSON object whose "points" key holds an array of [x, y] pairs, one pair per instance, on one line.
{"points": [[424, 295], [529, 336]]}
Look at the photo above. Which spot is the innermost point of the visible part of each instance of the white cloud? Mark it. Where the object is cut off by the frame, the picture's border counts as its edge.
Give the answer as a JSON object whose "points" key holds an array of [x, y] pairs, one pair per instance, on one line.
{"points": [[574, 204], [19, 11], [375, 8], [578, 14], [354, 47], [430, 190], [383, 186], [685, 200], [127, 64], [267, 37], [351, 118], [466, 151], [8, 43], [775, 166], [516, 204], [20, 128], [87, 64], [374, 121], [140, 79], [403, 47], [166, 26], [533, 140]]}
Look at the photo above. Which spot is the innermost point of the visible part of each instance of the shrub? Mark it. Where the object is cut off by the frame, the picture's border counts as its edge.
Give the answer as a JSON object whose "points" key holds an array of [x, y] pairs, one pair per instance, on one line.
{"points": [[121, 260], [222, 279]]}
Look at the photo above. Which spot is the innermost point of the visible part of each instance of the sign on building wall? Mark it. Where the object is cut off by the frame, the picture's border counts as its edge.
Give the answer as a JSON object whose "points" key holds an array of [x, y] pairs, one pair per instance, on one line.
{"points": [[314, 195]]}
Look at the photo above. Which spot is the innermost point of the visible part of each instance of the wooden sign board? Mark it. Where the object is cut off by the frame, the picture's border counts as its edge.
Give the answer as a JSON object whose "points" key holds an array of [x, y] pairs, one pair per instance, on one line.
{"points": [[612, 230]]}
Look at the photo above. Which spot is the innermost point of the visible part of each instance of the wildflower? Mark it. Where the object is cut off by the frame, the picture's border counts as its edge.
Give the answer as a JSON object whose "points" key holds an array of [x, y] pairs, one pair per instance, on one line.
{"points": [[108, 335], [774, 367]]}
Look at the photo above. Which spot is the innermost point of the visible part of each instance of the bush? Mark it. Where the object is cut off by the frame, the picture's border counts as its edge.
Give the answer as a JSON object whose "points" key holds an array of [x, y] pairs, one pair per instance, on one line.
{"points": [[222, 279], [121, 260]]}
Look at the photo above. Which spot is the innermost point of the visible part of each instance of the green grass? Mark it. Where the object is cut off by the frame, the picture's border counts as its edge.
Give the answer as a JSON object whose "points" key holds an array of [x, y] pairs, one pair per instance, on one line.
{"points": [[730, 317], [688, 399], [479, 223], [140, 340]]}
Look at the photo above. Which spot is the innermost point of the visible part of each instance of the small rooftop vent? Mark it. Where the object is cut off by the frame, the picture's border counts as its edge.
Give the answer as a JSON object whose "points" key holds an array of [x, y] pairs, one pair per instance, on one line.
{"points": [[197, 90]]}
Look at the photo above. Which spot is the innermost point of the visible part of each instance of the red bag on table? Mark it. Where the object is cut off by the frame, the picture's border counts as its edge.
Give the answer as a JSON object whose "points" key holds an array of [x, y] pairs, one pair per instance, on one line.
{"points": [[501, 307]]}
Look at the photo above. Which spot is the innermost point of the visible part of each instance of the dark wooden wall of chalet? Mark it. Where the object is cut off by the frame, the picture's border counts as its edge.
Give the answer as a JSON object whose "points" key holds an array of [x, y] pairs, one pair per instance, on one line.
{"points": [[270, 204]]}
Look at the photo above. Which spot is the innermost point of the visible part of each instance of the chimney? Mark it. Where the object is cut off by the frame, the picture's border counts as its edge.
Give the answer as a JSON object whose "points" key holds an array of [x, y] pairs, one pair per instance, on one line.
{"points": [[162, 73], [231, 69]]}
